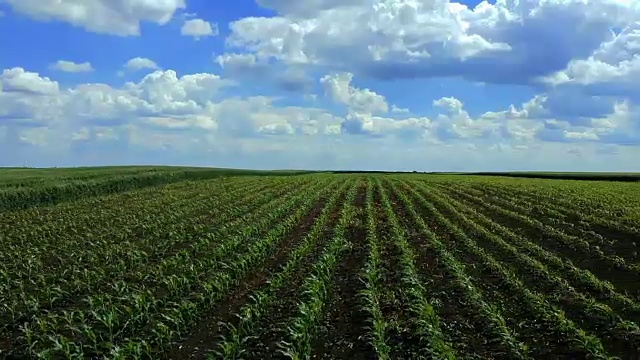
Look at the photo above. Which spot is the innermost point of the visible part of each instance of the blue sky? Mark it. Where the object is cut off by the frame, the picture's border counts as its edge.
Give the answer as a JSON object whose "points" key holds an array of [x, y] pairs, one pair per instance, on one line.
{"points": [[322, 84]]}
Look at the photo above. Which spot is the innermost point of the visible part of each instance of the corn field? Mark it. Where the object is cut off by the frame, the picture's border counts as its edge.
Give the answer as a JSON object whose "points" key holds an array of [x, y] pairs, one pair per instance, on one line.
{"points": [[322, 266]]}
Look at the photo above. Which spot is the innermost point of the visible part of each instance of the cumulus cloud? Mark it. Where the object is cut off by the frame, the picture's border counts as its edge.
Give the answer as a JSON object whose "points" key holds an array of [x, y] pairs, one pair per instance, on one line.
{"points": [[276, 129], [72, 67], [411, 128], [161, 100], [118, 17], [615, 123], [399, 110], [139, 63], [450, 104], [338, 87], [612, 69], [199, 28], [582, 58], [167, 114], [503, 42], [168, 92], [238, 62], [578, 135], [27, 101], [403, 31], [19, 80]]}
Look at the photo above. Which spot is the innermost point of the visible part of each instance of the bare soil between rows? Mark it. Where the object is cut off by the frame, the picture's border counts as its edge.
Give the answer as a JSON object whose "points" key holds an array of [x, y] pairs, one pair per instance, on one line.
{"points": [[206, 333], [344, 332]]}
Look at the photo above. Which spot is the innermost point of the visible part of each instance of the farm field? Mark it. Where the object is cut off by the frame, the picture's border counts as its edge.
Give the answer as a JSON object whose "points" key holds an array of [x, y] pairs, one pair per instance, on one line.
{"points": [[323, 266], [23, 187]]}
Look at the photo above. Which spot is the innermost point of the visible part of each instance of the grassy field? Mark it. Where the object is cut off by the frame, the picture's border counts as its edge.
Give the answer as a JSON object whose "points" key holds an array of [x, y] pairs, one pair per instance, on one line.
{"points": [[24, 187], [185, 263]]}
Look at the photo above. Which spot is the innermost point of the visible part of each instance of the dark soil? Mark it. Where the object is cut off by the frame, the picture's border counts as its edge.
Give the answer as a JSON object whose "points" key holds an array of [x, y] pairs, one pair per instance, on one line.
{"points": [[264, 344], [622, 279], [394, 303], [612, 241], [205, 334], [532, 329], [72, 300], [621, 344], [344, 332], [459, 321]]}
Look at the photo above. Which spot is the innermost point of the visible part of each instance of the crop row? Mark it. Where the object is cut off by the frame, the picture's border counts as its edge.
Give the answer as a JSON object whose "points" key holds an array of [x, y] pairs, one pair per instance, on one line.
{"points": [[93, 267], [316, 266], [612, 238], [150, 287], [611, 267], [25, 197], [583, 309]]}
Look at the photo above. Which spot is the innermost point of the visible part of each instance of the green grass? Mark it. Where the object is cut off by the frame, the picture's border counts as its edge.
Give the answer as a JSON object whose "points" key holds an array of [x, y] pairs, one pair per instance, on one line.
{"points": [[25, 187]]}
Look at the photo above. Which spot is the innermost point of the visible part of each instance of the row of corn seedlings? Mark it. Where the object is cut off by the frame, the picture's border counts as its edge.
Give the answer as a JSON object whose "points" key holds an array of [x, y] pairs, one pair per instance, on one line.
{"points": [[136, 259], [572, 242], [535, 304], [425, 319], [588, 241], [234, 342], [303, 326], [610, 238], [372, 277], [581, 279], [592, 211], [113, 250], [592, 314], [109, 316], [492, 318], [217, 276], [540, 211], [55, 192]]}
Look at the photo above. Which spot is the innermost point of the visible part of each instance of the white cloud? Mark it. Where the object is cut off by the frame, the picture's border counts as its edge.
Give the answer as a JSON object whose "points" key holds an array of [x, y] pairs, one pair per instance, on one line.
{"points": [[70, 66], [491, 43], [577, 135], [117, 17], [612, 69], [338, 86], [19, 80], [161, 100], [39, 136], [584, 55], [512, 124], [405, 31], [140, 63], [103, 105], [183, 117], [82, 134], [164, 91], [29, 100], [378, 127], [277, 129], [398, 110], [450, 104], [237, 61], [203, 122], [199, 28]]}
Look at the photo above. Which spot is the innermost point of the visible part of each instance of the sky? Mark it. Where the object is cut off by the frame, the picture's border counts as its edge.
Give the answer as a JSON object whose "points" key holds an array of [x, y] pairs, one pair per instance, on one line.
{"points": [[399, 85]]}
